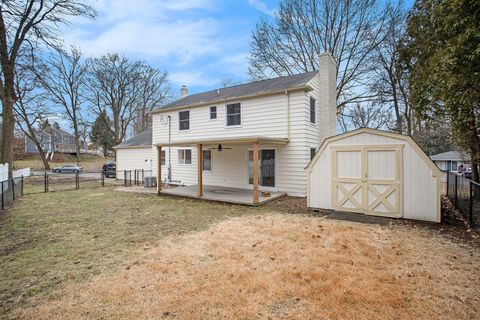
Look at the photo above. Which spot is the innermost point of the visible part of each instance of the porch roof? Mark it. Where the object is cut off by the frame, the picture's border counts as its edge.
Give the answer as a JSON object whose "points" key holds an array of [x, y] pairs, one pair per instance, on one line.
{"points": [[229, 140]]}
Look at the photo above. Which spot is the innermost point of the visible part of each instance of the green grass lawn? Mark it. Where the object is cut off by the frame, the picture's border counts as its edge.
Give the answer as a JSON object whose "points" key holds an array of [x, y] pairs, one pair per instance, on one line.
{"points": [[48, 240]]}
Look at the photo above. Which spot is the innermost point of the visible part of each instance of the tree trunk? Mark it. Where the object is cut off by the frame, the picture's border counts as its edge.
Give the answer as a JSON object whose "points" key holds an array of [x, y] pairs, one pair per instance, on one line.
{"points": [[474, 150], [8, 127], [77, 143]]}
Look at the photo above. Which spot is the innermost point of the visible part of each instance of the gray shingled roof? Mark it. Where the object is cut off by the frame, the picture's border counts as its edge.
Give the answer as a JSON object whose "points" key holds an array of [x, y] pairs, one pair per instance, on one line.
{"points": [[450, 156], [263, 86], [143, 139]]}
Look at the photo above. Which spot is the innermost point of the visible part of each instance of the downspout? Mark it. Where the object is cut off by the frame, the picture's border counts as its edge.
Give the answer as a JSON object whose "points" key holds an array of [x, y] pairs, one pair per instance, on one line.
{"points": [[288, 114]]}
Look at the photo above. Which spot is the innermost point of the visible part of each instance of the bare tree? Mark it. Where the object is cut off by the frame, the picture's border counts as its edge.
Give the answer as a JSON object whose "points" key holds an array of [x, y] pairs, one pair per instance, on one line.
{"points": [[392, 84], [114, 85], [27, 23], [154, 90], [361, 115], [64, 77], [30, 108], [348, 29]]}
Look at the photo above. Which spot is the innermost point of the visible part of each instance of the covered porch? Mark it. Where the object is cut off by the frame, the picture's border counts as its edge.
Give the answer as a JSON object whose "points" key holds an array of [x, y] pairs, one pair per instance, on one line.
{"points": [[225, 192]]}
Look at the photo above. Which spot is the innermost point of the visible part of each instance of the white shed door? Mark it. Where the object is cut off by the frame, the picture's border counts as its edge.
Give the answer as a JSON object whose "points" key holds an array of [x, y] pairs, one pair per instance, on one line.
{"points": [[367, 179]]}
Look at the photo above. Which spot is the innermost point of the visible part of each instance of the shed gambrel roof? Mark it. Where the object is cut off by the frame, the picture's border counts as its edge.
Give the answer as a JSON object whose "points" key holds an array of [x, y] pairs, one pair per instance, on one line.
{"points": [[296, 81], [450, 156], [435, 170], [141, 140]]}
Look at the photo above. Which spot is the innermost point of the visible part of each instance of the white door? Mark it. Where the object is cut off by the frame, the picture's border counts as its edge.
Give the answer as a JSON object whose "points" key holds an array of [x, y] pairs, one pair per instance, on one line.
{"points": [[367, 179]]}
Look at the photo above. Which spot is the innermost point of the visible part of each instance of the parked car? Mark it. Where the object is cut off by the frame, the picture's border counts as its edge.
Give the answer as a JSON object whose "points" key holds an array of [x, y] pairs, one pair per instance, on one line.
{"points": [[109, 170], [68, 168]]}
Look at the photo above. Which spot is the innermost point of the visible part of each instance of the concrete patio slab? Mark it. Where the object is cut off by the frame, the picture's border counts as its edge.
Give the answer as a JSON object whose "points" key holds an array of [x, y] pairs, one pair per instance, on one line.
{"points": [[221, 194]]}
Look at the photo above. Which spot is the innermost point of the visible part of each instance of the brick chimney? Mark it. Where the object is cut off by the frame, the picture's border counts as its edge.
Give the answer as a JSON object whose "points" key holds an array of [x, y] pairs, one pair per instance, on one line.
{"points": [[327, 102], [183, 91]]}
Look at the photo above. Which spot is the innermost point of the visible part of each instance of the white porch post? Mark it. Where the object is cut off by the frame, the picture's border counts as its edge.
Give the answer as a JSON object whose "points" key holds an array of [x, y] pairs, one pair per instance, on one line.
{"points": [[200, 170], [159, 169]]}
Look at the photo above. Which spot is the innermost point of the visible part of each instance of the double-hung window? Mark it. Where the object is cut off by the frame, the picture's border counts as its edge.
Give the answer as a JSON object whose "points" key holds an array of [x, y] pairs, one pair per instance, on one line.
{"points": [[184, 120], [185, 156], [234, 114], [207, 160], [313, 113], [213, 113]]}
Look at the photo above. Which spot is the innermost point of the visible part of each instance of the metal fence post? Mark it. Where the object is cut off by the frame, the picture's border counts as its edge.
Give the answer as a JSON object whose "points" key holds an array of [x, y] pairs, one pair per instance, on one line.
{"points": [[77, 181], [3, 197], [124, 178], [448, 181], [103, 179], [13, 188], [45, 180], [130, 178], [471, 204], [21, 186], [456, 191]]}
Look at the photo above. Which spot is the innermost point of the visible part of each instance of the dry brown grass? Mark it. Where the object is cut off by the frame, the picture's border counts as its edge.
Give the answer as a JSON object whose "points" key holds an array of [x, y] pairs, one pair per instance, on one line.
{"points": [[284, 267]]}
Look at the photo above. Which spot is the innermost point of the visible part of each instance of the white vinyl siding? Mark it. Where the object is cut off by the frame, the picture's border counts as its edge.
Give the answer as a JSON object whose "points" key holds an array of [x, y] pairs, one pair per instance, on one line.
{"points": [[133, 159], [265, 116]]}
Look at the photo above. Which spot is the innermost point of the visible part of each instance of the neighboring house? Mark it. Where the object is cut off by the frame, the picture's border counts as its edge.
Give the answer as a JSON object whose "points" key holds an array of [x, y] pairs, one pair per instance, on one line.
{"points": [[449, 161], [136, 153], [54, 140], [209, 138]]}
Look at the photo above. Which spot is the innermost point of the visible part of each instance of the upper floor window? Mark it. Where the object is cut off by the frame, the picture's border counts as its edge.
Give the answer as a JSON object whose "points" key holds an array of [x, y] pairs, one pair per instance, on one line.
{"points": [[185, 156], [312, 110], [184, 120], [213, 112], [234, 114], [207, 160]]}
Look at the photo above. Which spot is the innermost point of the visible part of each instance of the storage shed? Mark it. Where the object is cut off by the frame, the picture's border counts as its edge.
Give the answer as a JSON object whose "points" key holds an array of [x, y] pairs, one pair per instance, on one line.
{"points": [[136, 153], [376, 173]]}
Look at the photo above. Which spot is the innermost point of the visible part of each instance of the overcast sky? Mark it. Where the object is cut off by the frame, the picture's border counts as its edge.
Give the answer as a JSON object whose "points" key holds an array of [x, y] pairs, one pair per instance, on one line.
{"points": [[199, 42]]}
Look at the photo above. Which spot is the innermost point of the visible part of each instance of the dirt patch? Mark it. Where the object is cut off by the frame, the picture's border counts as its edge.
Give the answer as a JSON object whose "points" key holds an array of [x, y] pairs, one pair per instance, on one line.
{"points": [[453, 225], [284, 267]]}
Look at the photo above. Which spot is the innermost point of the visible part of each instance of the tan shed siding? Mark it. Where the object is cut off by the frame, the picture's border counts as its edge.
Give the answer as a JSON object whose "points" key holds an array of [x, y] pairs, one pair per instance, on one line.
{"points": [[420, 200], [133, 159]]}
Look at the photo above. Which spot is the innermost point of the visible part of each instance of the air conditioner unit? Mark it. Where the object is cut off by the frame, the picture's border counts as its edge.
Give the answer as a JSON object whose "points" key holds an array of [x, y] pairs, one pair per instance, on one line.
{"points": [[150, 182]]}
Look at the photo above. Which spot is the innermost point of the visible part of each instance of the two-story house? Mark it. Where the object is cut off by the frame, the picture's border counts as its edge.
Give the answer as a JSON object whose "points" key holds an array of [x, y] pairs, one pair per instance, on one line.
{"points": [[255, 136]]}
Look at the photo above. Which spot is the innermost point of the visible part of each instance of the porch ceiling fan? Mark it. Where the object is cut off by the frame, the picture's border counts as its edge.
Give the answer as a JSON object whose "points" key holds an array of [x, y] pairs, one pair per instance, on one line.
{"points": [[220, 148]]}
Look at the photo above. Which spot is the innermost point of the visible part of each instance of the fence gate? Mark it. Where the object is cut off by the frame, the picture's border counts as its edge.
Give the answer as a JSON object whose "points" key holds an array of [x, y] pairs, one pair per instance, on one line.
{"points": [[367, 179]]}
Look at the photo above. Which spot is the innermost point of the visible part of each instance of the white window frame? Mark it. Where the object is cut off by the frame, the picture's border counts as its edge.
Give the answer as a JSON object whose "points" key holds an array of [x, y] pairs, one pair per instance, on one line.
{"points": [[178, 114], [163, 158], [226, 115], [210, 113], [183, 150], [314, 110], [211, 161]]}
